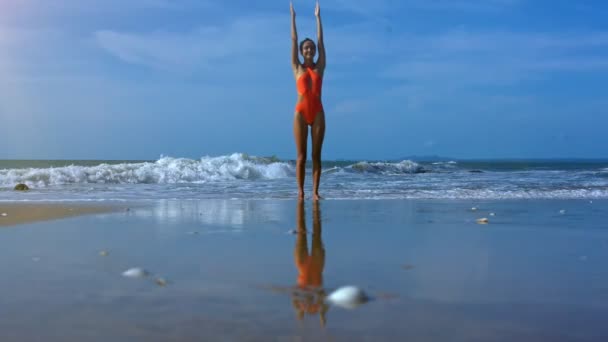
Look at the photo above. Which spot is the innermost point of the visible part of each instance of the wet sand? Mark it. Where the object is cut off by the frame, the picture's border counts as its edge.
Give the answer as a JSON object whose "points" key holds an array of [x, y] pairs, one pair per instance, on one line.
{"points": [[239, 270], [19, 213]]}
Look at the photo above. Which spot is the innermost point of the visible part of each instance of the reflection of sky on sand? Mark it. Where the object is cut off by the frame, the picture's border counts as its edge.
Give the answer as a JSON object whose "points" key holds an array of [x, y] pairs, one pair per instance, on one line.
{"points": [[235, 214], [452, 265], [521, 277]]}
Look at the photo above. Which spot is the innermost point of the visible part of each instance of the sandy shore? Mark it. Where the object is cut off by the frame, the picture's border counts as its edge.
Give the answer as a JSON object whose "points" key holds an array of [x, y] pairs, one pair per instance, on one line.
{"points": [[19, 213], [261, 270]]}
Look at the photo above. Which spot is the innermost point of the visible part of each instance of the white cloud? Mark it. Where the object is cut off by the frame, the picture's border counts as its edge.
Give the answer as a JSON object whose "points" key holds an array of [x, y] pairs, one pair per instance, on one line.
{"points": [[92, 6], [246, 38]]}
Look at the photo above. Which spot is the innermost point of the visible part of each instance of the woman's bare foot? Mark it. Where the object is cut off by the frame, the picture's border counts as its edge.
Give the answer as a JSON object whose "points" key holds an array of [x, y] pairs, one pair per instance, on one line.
{"points": [[316, 197], [301, 195]]}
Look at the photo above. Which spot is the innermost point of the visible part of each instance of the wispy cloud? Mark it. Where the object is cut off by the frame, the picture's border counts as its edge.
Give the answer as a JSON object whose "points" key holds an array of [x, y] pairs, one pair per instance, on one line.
{"points": [[71, 6], [462, 5], [247, 37], [475, 58], [363, 7], [384, 7]]}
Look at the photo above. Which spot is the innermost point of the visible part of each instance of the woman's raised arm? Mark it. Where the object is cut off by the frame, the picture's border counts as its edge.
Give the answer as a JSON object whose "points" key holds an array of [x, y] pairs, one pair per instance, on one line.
{"points": [[320, 44], [295, 60]]}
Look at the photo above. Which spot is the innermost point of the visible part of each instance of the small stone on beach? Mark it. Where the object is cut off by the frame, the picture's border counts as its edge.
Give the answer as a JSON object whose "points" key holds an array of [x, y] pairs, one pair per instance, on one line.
{"points": [[407, 266], [4, 214], [161, 282], [21, 187], [104, 253], [483, 220], [492, 214], [135, 272], [473, 209]]}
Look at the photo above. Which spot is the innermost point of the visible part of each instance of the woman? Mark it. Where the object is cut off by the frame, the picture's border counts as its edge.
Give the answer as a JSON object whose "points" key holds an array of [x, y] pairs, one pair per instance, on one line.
{"points": [[309, 109]]}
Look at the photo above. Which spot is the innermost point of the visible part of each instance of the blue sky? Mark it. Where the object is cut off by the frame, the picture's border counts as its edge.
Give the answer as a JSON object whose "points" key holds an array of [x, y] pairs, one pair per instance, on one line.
{"points": [[115, 79]]}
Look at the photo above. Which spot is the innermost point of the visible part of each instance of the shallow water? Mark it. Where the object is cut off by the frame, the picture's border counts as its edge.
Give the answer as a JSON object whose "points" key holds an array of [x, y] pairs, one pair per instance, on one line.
{"points": [[231, 266]]}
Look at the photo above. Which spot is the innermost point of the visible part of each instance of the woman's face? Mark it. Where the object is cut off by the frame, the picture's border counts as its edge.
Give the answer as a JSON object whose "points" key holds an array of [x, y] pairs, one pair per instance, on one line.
{"points": [[308, 49]]}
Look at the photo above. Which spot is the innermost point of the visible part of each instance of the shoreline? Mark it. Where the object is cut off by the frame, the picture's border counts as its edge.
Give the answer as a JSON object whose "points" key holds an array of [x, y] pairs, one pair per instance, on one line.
{"points": [[12, 214]]}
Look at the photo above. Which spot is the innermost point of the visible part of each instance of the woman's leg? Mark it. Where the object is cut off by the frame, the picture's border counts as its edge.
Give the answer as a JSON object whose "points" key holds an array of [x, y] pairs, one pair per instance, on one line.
{"points": [[300, 134], [318, 134]]}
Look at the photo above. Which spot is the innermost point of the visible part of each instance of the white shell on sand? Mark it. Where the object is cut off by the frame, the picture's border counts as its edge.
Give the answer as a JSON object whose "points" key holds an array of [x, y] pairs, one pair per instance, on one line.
{"points": [[4, 214], [483, 220], [135, 272], [473, 209], [348, 297]]}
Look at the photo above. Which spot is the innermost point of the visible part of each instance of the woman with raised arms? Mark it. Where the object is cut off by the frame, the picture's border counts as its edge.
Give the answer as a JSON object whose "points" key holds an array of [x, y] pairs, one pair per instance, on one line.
{"points": [[309, 109]]}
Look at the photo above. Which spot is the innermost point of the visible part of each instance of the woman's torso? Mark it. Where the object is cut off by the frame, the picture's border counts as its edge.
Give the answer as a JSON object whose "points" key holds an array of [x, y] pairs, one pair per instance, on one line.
{"points": [[309, 82]]}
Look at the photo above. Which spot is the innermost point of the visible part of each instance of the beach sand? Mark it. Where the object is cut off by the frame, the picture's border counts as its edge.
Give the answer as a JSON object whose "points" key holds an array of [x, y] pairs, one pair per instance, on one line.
{"points": [[19, 213], [240, 270]]}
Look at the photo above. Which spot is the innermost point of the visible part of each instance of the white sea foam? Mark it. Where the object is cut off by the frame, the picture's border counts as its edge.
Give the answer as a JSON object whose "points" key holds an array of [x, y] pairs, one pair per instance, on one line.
{"points": [[166, 170], [239, 176], [405, 166]]}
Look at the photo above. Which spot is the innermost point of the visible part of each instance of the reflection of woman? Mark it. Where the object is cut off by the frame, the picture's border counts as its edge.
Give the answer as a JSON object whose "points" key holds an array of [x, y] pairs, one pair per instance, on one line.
{"points": [[310, 298], [309, 110]]}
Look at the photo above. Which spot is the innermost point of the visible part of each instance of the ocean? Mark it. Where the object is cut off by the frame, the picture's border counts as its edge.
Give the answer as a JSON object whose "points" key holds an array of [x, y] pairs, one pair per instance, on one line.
{"points": [[240, 176]]}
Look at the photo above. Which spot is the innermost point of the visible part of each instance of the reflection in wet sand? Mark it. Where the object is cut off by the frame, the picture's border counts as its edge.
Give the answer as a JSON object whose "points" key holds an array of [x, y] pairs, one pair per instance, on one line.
{"points": [[231, 215], [309, 297]]}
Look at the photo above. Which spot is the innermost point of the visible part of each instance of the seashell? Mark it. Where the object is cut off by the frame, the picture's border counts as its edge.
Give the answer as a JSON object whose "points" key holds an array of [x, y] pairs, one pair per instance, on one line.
{"points": [[482, 220], [161, 282], [473, 209], [348, 297], [4, 214], [135, 272]]}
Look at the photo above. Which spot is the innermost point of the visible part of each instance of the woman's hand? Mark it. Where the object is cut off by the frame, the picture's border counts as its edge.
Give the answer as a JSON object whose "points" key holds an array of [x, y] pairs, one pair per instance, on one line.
{"points": [[291, 10], [317, 9]]}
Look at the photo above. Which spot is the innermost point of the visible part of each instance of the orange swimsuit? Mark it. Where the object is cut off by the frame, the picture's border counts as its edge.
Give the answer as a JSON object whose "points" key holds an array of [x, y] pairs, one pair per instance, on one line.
{"points": [[309, 87]]}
